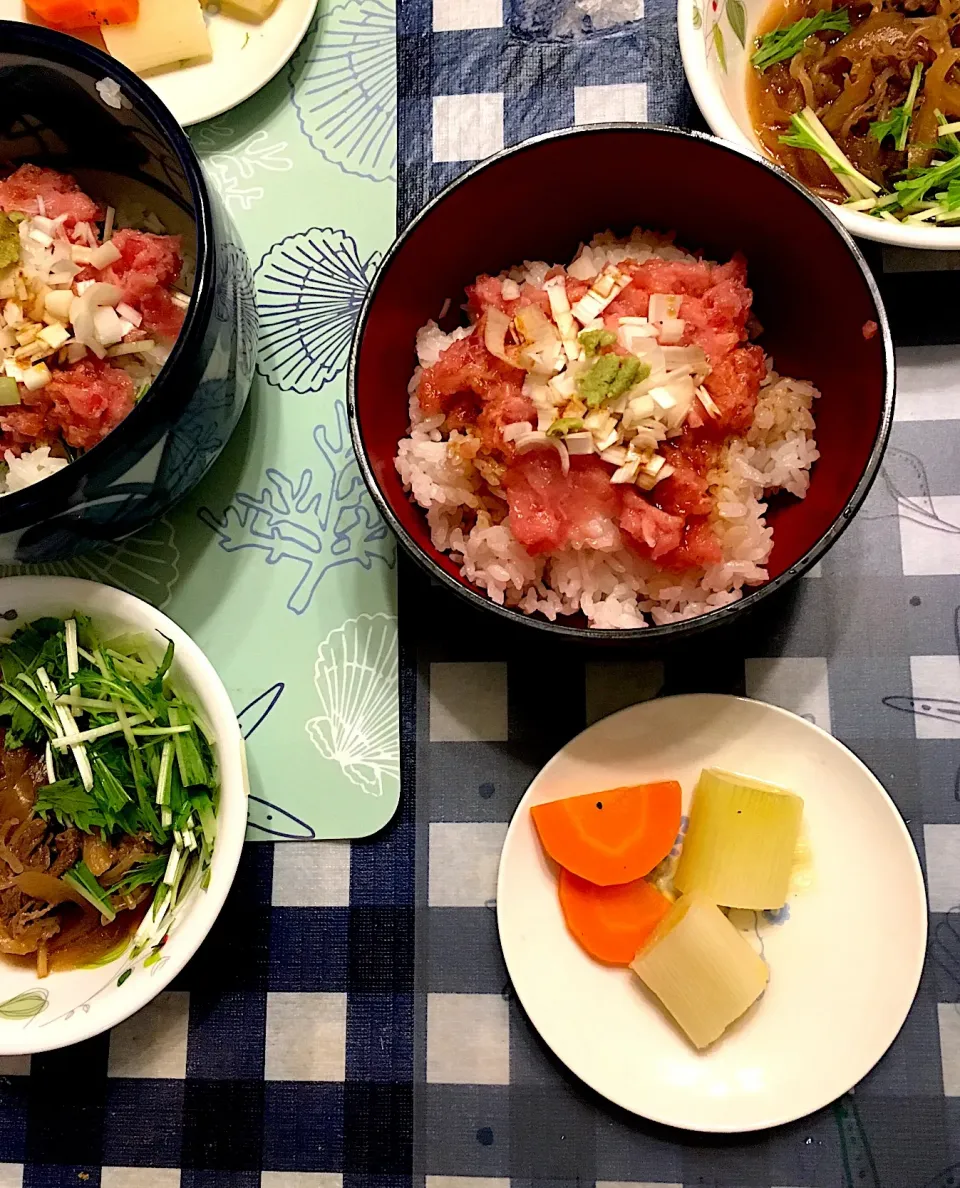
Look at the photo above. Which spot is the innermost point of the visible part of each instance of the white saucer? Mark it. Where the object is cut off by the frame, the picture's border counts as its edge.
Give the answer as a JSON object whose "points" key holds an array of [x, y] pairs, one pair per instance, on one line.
{"points": [[845, 965], [245, 57]]}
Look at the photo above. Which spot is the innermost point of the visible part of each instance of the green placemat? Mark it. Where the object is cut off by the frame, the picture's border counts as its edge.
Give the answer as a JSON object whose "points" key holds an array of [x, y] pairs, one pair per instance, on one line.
{"points": [[278, 564]]}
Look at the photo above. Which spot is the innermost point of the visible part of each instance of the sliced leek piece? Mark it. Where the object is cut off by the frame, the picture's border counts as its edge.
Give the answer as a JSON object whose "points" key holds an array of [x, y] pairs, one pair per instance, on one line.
{"points": [[702, 969], [739, 846]]}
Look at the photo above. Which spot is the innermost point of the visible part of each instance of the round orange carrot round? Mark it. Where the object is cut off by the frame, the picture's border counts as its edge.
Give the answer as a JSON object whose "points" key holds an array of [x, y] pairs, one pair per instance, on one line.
{"points": [[611, 923], [611, 837]]}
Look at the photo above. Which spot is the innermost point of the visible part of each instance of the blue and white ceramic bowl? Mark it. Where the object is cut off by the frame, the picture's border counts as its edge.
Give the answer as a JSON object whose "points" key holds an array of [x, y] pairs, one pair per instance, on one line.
{"points": [[52, 114]]}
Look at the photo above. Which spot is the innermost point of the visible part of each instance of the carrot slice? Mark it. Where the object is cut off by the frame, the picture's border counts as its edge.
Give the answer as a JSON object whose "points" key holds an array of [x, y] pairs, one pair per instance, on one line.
{"points": [[85, 14], [611, 923], [611, 837]]}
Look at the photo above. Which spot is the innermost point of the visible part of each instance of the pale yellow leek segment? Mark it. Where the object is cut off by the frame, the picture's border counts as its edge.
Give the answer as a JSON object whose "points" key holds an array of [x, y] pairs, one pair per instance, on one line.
{"points": [[702, 969], [740, 842]]}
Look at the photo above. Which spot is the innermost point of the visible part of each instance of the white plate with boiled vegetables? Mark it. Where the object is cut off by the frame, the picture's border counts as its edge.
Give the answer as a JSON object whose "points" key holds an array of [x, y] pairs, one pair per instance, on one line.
{"points": [[712, 912], [122, 807], [201, 58]]}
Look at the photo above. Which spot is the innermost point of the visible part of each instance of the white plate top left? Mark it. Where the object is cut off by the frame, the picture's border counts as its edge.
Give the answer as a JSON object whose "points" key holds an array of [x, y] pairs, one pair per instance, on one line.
{"points": [[246, 56]]}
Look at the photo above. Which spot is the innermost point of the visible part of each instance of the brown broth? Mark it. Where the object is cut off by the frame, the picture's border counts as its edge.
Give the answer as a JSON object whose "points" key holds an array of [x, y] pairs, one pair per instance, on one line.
{"points": [[764, 94], [82, 940]]}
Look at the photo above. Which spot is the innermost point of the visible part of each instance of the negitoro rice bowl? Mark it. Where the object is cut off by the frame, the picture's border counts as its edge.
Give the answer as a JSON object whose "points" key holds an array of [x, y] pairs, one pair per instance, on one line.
{"points": [[89, 310], [604, 437]]}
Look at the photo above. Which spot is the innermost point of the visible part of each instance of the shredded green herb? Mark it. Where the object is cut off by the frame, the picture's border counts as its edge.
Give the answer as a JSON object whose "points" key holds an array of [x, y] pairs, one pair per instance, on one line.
{"points": [[807, 132], [129, 755], [781, 44], [897, 124], [81, 878]]}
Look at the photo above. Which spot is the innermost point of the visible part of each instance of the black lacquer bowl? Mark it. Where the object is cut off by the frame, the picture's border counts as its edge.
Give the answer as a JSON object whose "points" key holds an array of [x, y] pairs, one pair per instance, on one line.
{"points": [[52, 114]]}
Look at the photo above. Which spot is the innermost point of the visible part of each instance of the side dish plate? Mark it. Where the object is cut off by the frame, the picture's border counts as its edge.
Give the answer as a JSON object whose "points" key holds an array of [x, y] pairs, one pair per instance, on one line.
{"points": [[845, 955]]}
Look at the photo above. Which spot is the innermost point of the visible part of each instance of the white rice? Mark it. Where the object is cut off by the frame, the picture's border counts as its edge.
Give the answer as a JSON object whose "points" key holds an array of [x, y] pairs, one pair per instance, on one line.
{"points": [[29, 468], [608, 583]]}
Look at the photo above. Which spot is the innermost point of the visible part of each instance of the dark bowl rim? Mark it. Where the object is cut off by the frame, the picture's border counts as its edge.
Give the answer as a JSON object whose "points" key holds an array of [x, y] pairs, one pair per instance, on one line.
{"points": [[17, 37], [722, 615]]}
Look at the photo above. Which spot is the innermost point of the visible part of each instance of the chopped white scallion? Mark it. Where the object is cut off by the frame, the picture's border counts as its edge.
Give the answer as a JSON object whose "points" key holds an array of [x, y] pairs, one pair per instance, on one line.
{"points": [[495, 327], [130, 348], [166, 816], [537, 440], [73, 654], [57, 303], [54, 336], [517, 429], [105, 255], [607, 286], [710, 406], [108, 327], [671, 330], [556, 289], [542, 351], [36, 377], [615, 455], [599, 421], [83, 310], [579, 443], [129, 314], [638, 410], [664, 306], [172, 863], [74, 737], [68, 727], [564, 385], [48, 759], [627, 472]]}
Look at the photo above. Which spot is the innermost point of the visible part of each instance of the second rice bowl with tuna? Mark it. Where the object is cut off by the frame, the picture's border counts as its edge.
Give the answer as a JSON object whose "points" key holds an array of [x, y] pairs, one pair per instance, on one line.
{"points": [[602, 438]]}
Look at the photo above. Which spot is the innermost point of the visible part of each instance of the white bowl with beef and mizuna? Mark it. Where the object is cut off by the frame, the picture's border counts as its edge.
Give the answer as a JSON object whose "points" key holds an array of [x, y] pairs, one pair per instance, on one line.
{"points": [[122, 807]]}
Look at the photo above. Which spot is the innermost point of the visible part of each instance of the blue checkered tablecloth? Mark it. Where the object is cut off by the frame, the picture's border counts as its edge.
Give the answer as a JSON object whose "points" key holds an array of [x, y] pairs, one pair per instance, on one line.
{"points": [[349, 1022]]}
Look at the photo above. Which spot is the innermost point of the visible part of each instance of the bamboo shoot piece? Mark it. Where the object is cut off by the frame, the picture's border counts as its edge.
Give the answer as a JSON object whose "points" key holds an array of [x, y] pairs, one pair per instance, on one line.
{"points": [[702, 969], [740, 841]]}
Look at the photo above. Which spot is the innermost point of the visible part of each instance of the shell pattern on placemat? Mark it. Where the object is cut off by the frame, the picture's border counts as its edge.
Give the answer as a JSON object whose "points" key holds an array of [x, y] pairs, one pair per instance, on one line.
{"points": [[310, 288], [356, 680], [343, 86], [146, 565]]}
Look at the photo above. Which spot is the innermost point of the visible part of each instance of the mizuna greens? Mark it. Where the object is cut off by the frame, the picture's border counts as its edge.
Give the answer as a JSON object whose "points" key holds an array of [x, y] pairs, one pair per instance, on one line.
{"points": [[126, 757]]}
